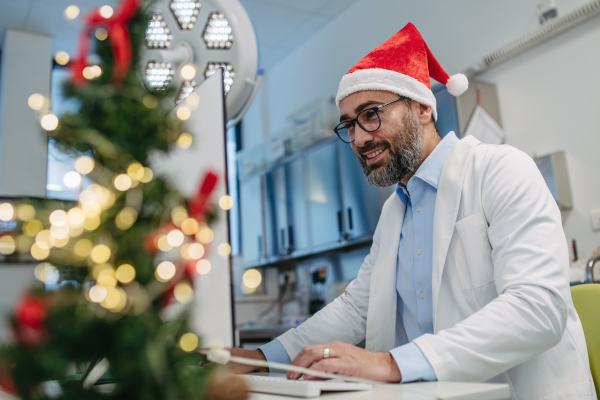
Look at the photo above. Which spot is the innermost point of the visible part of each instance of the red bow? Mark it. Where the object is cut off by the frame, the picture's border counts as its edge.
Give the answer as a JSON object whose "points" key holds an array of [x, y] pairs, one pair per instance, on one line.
{"points": [[118, 34]]}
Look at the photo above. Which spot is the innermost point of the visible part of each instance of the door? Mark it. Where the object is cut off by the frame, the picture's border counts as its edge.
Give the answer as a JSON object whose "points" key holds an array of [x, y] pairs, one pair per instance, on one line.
{"points": [[324, 196], [362, 201], [298, 224], [251, 218]]}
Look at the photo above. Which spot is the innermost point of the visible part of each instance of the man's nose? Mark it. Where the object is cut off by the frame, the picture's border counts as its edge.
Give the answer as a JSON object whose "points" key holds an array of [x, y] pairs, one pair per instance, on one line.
{"points": [[361, 137]]}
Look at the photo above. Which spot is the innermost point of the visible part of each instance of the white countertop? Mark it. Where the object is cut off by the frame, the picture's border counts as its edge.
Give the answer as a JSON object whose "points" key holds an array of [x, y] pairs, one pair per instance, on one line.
{"points": [[415, 391]]}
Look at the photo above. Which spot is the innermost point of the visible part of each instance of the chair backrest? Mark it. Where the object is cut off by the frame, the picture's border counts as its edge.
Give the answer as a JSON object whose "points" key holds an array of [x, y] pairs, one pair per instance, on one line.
{"points": [[586, 299]]}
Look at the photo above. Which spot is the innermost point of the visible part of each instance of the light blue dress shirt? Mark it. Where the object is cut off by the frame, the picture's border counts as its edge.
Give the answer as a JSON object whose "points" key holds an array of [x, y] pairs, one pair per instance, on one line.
{"points": [[413, 280]]}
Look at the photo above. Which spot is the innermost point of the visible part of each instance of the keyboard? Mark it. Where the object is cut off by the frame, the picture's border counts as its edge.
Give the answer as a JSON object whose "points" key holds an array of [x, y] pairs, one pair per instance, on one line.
{"points": [[278, 384]]}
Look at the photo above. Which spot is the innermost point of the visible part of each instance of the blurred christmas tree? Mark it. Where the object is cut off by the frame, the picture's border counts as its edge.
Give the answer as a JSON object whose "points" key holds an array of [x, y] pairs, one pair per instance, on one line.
{"points": [[128, 249]]}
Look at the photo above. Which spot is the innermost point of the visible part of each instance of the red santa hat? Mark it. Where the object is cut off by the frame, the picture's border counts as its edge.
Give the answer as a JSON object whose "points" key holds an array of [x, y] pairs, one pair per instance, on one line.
{"points": [[401, 65]]}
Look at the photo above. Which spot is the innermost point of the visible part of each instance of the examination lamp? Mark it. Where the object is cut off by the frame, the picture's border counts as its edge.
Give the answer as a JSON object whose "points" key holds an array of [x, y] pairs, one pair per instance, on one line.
{"points": [[189, 40]]}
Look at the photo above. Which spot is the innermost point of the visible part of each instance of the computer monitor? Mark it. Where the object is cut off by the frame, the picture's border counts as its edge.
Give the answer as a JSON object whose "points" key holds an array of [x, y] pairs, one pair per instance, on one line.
{"points": [[212, 308]]}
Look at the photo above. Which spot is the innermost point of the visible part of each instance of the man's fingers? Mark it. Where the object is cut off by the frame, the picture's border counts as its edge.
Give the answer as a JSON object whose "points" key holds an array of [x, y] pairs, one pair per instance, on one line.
{"points": [[333, 366], [306, 358]]}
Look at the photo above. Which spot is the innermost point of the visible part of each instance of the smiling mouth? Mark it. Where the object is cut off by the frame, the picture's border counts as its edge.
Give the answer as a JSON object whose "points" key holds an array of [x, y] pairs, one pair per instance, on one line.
{"points": [[374, 156]]}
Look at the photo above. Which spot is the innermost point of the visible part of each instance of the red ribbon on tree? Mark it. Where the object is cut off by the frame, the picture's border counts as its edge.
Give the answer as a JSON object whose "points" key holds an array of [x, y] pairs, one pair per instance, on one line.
{"points": [[118, 34]]}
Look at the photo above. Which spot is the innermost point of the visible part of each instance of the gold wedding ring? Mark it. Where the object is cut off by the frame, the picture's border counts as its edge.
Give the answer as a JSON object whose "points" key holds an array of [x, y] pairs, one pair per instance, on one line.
{"points": [[325, 352]]}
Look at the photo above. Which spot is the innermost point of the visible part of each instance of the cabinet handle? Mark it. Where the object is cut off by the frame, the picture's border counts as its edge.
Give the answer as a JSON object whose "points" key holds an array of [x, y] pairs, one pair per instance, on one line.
{"points": [[340, 224], [282, 239], [291, 236], [260, 249], [350, 218]]}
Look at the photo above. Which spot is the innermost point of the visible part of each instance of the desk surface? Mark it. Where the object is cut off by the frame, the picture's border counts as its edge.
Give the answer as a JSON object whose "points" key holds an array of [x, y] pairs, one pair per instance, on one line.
{"points": [[415, 391]]}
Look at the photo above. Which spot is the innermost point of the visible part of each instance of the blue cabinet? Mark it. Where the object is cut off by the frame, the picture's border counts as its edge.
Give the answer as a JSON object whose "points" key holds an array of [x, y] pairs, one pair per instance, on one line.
{"points": [[251, 219], [447, 109], [324, 196], [362, 201]]}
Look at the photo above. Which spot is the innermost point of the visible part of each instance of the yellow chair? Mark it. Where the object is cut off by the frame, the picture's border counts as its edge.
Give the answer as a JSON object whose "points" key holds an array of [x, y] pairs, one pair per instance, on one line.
{"points": [[586, 299]]}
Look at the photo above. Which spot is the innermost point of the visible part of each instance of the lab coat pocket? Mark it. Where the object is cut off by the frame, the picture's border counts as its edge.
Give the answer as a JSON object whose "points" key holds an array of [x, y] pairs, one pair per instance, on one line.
{"points": [[472, 252]]}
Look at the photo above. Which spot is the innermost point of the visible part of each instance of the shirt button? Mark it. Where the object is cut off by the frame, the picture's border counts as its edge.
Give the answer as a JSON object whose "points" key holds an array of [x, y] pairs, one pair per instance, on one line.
{"points": [[418, 251], [419, 208], [422, 295]]}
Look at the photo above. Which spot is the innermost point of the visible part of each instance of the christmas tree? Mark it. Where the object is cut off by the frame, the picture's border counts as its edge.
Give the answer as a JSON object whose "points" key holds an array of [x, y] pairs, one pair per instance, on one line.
{"points": [[127, 250]]}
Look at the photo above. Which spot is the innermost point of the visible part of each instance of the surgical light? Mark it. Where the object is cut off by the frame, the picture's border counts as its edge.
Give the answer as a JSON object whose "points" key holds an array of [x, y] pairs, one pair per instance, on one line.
{"points": [[186, 89], [217, 34], [159, 75], [186, 12], [158, 34], [228, 73]]}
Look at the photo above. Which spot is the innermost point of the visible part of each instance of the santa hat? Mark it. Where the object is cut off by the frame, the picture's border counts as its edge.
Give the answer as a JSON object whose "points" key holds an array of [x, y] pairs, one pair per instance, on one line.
{"points": [[401, 65]]}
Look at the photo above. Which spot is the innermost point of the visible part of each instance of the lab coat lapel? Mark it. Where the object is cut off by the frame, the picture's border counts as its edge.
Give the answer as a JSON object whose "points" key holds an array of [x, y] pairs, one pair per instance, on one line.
{"points": [[446, 209], [381, 321]]}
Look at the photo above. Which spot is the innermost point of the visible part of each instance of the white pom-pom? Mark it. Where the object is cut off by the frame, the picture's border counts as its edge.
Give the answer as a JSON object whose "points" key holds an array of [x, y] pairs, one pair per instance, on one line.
{"points": [[219, 356], [457, 84]]}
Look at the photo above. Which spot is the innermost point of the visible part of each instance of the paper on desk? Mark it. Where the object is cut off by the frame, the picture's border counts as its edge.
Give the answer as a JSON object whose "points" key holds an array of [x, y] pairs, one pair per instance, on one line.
{"points": [[484, 128]]}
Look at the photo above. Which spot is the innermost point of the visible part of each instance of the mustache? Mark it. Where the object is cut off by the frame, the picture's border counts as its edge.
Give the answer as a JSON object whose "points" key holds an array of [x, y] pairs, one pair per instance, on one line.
{"points": [[372, 146]]}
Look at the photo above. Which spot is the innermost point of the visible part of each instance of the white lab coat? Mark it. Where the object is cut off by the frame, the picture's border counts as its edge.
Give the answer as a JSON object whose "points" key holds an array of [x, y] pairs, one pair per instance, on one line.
{"points": [[502, 308]]}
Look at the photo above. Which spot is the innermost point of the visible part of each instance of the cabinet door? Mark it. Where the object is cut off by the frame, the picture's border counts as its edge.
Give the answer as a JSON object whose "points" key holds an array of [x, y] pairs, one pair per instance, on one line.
{"points": [[298, 231], [251, 220], [276, 192], [362, 201], [324, 197]]}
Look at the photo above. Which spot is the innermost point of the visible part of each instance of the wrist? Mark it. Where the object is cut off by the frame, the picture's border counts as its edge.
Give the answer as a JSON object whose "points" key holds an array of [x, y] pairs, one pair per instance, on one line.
{"points": [[259, 355], [394, 375]]}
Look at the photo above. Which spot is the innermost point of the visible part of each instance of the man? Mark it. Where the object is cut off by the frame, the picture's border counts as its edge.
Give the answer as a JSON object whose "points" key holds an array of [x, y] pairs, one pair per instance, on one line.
{"points": [[467, 278]]}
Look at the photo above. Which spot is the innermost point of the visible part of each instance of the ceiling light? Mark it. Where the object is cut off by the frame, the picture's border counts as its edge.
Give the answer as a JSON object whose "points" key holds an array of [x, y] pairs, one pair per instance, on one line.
{"points": [[217, 34], [186, 12], [228, 73], [159, 75], [186, 89], [158, 33]]}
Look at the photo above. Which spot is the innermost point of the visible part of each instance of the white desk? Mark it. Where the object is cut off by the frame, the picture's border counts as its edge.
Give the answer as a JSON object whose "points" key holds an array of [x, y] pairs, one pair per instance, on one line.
{"points": [[430, 390]]}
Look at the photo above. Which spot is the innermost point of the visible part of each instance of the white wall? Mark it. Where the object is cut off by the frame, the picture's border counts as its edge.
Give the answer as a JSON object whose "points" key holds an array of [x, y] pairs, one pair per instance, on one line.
{"points": [[548, 96]]}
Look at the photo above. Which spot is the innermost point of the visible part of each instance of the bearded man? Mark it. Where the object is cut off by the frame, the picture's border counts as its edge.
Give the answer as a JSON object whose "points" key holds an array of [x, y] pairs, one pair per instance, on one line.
{"points": [[467, 277]]}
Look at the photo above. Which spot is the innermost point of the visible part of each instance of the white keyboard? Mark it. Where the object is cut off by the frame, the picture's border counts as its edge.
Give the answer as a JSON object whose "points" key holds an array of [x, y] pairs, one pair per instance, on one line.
{"points": [[298, 388]]}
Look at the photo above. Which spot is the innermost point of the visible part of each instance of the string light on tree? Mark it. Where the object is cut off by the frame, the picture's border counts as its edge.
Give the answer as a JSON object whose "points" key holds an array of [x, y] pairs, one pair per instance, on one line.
{"points": [[183, 113], [84, 164], [203, 267], [25, 212], [185, 140], [71, 12], [7, 212], [49, 122], [61, 58], [122, 182], [36, 101], [72, 179], [101, 34], [106, 11], [165, 271], [188, 342]]}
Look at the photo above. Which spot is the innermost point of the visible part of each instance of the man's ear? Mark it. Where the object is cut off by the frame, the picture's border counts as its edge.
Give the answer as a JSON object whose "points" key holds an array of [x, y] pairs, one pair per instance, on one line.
{"points": [[424, 114]]}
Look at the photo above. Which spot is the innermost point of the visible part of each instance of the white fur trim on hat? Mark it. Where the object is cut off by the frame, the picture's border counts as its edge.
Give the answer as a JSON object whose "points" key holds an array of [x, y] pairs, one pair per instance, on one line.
{"points": [[391, 81]]}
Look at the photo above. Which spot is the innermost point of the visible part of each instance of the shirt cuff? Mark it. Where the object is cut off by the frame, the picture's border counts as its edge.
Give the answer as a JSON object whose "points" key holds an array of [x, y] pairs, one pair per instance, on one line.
{"points": [[412, 363], [275, 352]]}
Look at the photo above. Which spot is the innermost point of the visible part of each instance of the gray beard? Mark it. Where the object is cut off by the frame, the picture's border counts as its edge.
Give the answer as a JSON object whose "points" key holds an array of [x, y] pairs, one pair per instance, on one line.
{"points": [[404, 155]]}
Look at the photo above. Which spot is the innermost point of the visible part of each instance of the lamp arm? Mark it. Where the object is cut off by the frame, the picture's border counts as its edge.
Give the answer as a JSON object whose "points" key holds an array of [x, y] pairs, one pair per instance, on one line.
{"points": [[256, 85]]}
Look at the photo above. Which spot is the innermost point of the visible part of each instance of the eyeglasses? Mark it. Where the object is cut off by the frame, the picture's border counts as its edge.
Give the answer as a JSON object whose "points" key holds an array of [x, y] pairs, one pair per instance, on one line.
{"points": [[368, 120]]}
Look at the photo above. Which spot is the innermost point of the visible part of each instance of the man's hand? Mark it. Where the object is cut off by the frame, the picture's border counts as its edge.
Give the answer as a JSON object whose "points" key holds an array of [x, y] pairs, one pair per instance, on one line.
{"points": [[242, 368], [345, 359]]}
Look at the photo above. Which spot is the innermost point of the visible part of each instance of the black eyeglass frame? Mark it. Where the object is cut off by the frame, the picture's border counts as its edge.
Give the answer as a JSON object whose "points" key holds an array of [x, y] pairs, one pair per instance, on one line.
{"points": [[355, 120]]}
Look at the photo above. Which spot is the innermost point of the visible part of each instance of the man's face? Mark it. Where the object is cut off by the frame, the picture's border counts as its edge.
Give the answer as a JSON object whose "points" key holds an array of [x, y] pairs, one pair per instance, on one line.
{"points": [[398, 140]]}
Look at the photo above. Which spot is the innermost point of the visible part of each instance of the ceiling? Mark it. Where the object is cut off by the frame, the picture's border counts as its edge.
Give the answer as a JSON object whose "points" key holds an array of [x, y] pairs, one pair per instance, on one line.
{"points": [[281, 25]]}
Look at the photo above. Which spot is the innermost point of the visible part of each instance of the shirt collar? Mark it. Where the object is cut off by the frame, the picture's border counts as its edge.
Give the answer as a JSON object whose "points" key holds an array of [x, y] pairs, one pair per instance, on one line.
{"points": [[431, 169]]}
